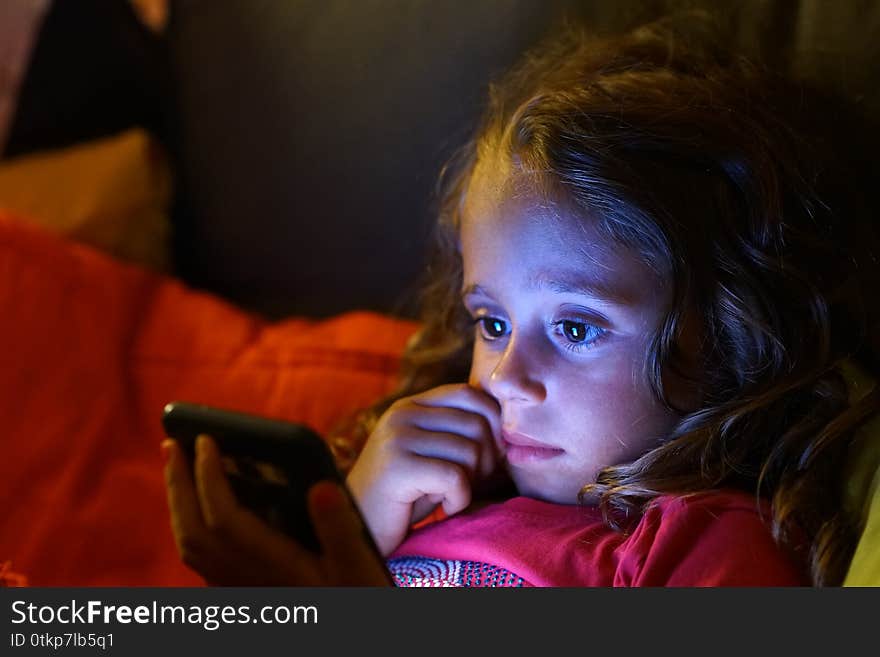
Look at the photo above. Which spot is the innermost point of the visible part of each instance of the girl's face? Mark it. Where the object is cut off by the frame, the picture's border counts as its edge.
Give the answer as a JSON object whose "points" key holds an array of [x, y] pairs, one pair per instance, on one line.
{"points": [[562, 325]]}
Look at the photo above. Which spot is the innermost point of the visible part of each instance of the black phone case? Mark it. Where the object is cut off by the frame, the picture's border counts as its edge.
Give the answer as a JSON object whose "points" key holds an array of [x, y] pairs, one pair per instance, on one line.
{"points": [[270, 463]]}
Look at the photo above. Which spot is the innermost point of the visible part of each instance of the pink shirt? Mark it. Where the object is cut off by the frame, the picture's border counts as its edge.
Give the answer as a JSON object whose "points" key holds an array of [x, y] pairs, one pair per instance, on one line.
{"points": [[711, 539]]}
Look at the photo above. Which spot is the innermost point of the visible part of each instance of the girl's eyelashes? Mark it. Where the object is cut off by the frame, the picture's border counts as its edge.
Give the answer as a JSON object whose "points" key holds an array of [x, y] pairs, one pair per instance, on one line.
{"points": [[491, 328], [579, 335], [574, 335]]}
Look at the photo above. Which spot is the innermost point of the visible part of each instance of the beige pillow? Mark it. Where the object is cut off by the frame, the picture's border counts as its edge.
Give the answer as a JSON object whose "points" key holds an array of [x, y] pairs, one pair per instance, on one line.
{"points": [[113, 194], [20, 22]]}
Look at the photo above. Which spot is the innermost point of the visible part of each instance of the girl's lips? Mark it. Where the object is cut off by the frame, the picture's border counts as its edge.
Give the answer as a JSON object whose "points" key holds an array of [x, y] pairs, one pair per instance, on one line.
{"points": [[521, 449]]}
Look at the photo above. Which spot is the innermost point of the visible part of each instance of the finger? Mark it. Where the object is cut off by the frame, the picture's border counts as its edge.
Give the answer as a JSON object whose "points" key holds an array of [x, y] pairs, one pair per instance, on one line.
{"points": [[349, 554], [248, 533], [469, 424], [466, 398], [448, 418], [443, 446], [216, 497], [445, 480], [183, 502], [476, 401], [196, 546]]}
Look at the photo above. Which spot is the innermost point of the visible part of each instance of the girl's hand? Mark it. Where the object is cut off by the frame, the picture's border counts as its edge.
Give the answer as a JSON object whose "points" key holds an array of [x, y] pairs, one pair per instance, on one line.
{"points": [[230, 546], [427, 449]]}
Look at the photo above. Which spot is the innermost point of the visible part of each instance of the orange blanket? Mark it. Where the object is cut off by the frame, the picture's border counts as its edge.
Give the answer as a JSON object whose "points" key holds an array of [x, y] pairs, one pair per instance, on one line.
{"points": [[92, 349]]}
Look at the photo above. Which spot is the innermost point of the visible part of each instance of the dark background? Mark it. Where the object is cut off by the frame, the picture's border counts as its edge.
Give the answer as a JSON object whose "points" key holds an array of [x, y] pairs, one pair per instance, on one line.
{"points": [[307, 135]]}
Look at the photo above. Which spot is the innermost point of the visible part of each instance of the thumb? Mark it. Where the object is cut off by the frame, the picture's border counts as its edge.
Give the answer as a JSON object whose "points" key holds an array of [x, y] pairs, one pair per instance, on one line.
{"points": [[348, 550]]}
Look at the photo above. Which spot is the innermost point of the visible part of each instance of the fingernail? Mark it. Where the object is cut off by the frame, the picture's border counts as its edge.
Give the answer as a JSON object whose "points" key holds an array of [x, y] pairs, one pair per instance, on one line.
{"points": [[165, 449], [202, 443]]}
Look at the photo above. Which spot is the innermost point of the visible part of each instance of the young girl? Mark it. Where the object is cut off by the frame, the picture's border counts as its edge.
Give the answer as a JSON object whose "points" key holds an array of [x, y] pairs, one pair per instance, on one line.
{"points": [[635, 348]]}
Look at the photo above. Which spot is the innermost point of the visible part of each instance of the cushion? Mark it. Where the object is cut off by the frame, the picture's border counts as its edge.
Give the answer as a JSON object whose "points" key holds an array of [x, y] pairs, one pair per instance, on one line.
{"points": [[112, 193], [94, 349], [864, 569], [863, 487]]}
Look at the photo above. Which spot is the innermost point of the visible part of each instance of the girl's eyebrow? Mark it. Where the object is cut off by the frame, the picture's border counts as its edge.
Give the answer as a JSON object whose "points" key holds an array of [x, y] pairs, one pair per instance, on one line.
{"points": [[477, 290], [569, 284], [574, 283]]}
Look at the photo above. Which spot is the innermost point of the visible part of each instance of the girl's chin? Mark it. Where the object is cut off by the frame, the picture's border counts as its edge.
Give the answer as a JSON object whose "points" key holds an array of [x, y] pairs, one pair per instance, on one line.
{"points": [[538, 488]]}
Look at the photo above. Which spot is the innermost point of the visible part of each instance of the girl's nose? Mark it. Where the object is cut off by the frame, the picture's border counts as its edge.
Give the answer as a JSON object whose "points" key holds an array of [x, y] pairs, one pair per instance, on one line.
{"points": [[515, 378]]}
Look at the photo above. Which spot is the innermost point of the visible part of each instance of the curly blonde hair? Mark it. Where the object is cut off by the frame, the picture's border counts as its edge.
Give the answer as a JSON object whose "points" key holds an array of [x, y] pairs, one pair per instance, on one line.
{"points": [[700, 161]]}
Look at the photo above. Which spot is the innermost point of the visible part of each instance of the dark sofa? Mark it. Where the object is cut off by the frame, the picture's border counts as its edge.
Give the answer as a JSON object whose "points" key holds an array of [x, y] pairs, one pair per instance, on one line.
{"points": [[308, 134]]}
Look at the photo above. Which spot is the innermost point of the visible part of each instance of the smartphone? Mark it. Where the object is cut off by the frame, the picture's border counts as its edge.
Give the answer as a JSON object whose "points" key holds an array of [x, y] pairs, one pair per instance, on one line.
{"points": [[270, 463]]}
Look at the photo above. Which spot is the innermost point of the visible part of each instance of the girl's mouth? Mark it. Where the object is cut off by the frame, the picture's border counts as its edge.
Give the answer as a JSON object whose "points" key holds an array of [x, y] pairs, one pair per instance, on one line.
{"points": [[522, 449]]}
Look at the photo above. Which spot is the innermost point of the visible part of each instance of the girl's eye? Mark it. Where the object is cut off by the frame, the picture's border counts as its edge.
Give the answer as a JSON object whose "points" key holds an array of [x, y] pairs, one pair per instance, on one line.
{"points": [[574, 331], [576, 335], [492, 328], [579, 335]]}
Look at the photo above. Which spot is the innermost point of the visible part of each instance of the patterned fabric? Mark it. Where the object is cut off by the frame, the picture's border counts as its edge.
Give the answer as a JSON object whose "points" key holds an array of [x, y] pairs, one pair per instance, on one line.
{"points": [[425, 572]]}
